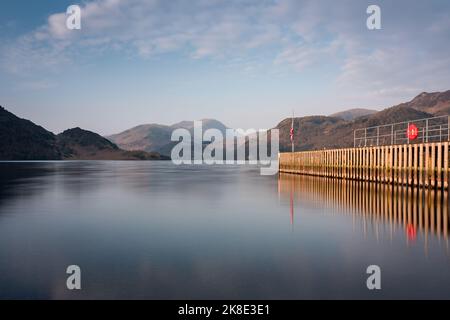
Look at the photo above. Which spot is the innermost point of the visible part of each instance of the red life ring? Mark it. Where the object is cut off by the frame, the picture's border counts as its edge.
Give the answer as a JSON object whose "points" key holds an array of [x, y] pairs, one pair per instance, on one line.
{"points": [[413, 132]]}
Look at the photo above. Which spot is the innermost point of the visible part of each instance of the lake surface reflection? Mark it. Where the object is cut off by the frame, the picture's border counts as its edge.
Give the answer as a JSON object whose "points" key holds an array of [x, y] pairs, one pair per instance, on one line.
{"points": [[152, 230], [379, 210]]}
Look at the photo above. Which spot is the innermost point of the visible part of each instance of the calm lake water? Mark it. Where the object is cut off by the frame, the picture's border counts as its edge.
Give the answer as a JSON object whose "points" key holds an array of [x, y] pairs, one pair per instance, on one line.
{"points": [[152, 230]]}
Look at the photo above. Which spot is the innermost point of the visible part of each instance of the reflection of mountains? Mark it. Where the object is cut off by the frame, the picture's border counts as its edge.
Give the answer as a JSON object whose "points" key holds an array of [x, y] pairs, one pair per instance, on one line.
{"points": [[23, 180], [12, 179], [56, 180], [419, 212]]}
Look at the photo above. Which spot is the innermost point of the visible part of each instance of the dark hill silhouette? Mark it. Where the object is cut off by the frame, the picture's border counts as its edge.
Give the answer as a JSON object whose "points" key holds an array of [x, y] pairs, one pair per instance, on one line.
{"points": [[21, 139], [79, 144]]}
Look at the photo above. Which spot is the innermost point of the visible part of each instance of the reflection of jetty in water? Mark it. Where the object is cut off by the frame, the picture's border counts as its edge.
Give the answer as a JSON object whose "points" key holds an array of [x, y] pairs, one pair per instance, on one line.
{"points": [[420, 212]]}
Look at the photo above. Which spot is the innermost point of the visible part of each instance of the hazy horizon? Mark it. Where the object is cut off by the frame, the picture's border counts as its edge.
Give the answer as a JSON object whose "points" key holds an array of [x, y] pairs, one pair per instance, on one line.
{"points": [[177, 122], [245, 63]]}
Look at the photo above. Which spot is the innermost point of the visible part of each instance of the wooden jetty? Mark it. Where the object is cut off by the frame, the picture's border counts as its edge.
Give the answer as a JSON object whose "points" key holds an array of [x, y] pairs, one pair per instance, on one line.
{"points": [[423, 164]]}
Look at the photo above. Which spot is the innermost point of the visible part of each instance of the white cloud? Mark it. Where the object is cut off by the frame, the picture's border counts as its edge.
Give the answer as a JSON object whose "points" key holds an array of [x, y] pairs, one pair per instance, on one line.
{"points": [[409, 53]]}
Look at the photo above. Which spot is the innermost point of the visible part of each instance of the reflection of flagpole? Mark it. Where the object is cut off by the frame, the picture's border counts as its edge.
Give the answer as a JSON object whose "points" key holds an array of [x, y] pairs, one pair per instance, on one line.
{"points": [[292, 205]]}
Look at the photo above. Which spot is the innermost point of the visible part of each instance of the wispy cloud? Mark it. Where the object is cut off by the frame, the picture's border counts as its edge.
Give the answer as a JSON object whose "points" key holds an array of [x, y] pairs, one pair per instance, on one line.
{"points": [[203, 29], [410, 52]]}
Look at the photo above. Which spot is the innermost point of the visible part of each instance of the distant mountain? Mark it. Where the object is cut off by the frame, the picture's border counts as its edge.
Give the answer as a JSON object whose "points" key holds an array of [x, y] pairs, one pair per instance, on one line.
{"points": [[206, 124], [157, 137], [436, 103], [79, 144], [148, 137], [318, 132], [21, 139], [352, 114], [24, 140]]}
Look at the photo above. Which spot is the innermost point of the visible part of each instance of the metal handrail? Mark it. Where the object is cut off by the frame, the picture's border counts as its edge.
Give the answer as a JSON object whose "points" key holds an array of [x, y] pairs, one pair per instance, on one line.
{"points": [[404, 122], [377, 135]]}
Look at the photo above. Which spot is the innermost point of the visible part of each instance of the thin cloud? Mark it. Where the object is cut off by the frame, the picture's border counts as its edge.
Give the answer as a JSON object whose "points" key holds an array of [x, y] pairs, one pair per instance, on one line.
{"points": [[409, 52]]}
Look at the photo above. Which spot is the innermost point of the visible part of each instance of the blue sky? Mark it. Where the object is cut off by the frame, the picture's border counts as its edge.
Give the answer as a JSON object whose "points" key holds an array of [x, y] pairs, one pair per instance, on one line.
{"points": [[248, 63]]}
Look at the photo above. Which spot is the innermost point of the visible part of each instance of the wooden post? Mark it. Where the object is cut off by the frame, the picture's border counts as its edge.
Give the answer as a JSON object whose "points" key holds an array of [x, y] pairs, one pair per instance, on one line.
{"points": [[416, 167], [446, 145], [439, 166], [405, 165], [389, 165], [347, 151], [409, 170], [374, 164], [394, 166], [379, 164], [427, 164], [401, 163], [351, 163], [332, 164], [359, 164], [347, 161], [366, 164], [386, 164], [336, 162], [433, 165], [421, 165]]}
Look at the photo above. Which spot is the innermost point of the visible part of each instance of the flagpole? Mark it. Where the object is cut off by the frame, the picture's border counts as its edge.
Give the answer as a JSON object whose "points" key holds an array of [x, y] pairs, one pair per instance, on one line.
{"points": [[292, 128]]}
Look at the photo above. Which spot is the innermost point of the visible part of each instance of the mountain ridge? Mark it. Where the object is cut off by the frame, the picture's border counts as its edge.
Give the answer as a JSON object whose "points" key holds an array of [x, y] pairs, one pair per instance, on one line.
{"points": [[21, 139], [352, 114], [157, 137]]}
